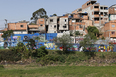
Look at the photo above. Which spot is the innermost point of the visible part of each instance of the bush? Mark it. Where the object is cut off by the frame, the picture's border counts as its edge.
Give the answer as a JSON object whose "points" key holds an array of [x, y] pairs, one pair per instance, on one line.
{"points": [[9, 55], [1, 66], [102, 56], [40, 52], [72, 58], [90, 54], [21, 49], [51, 59]]}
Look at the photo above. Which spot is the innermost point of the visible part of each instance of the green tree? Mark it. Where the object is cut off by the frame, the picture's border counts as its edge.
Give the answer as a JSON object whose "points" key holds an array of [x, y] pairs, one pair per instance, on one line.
{"points": [[89, 42], [37, 38], [31, 44], [40, 13], [54, 14], [22, 50], [7, 34], [64, 41], [93, 29], [77, 33]]}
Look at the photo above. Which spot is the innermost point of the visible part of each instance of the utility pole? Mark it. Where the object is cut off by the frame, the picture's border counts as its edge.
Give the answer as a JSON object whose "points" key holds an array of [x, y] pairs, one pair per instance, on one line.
{"points": [[6, 23]]}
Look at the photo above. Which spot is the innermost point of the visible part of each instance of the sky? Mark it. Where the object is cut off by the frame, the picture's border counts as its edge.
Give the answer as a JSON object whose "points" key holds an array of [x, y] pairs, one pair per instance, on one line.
{"points": [[17, 10]]}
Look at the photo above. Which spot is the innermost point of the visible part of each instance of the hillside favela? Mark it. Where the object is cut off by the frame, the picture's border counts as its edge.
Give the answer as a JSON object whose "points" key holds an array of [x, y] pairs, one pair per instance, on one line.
{"points": [[80, 43]]}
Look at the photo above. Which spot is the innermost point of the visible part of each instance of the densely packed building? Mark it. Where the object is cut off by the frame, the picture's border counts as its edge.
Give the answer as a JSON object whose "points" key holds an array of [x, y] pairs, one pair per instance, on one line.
{"points": [[90, 14]]}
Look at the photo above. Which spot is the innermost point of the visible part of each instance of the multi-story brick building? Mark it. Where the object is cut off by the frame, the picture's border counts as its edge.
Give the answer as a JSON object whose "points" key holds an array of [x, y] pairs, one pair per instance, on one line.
{"points": [[96, 12], [112, 12], [19, 27], [79, 22], [109, 30]]}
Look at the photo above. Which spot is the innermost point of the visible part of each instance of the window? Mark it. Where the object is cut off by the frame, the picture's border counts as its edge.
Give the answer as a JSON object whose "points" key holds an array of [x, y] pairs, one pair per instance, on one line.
{"points": [[101, 7], [21, 25], [105, 8], [65, 20], [54, 26], [51, 20], [41, 25], [113, 25], [96, 6], [64, 26], [113, 32], [73, 20], [51, 25]]}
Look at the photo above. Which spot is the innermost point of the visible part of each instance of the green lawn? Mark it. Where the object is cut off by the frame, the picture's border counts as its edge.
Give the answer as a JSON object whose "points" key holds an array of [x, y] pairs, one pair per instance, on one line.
{"points": [[57, 71]]}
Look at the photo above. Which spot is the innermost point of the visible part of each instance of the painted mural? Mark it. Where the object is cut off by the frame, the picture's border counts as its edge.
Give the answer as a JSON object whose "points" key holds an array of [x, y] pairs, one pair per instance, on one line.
{"points": [[51, 46], [102, 48], [109, 48], [74, 48], [12, 41]]}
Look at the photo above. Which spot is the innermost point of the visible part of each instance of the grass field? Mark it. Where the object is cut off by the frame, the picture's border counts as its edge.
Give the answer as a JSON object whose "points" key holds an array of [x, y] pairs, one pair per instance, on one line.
{"points": [[57, 71]]}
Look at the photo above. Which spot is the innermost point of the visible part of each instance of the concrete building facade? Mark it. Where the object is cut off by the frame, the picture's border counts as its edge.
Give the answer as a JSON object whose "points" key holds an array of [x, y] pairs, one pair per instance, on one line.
{"points": [[63, 24], [52, 24]]}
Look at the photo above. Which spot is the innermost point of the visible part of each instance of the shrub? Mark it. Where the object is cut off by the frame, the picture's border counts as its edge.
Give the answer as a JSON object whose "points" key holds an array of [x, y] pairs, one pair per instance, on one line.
{"points": [[61, 58], [21, 49], [9, 55], [1, 66], [72, 58], [40, 52], [102, 56]]}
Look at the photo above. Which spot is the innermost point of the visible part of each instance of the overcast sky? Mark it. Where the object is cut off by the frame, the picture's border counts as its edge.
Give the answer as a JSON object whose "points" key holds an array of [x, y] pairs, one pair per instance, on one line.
{"points": [[17, 10]]}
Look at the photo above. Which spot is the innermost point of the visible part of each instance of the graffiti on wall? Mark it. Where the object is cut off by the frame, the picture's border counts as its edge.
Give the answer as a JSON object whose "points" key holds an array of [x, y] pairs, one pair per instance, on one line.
{"points": [[42, 38], [74, 48], [109, 48], [101, 48], [17, 38], [51, 45]]}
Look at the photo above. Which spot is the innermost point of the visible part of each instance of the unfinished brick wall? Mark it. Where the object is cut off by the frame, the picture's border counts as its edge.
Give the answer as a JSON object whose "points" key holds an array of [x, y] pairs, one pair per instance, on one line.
{"points": [[112, 11], [40, 21], [17, 26]]}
